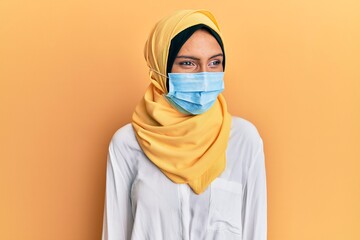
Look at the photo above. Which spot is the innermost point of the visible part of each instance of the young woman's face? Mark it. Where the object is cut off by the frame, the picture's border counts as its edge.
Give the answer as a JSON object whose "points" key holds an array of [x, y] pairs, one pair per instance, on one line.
{"points": [[200, 53]]}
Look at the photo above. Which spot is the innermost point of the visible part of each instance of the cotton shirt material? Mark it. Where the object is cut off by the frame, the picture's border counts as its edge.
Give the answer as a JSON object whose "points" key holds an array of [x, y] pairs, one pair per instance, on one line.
{"points": [[143, 204]]}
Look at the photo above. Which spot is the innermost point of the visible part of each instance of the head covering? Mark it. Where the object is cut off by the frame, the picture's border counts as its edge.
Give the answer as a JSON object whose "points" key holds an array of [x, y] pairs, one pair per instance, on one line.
{"points": [[186, 148]]}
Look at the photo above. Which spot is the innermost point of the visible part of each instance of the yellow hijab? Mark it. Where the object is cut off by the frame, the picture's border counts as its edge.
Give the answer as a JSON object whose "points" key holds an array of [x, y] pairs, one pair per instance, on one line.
{"points": [[186, 148]]}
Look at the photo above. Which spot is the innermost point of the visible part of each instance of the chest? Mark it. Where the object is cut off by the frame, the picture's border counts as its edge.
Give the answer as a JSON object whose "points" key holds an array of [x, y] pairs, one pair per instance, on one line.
{"points": [[176, 208]]}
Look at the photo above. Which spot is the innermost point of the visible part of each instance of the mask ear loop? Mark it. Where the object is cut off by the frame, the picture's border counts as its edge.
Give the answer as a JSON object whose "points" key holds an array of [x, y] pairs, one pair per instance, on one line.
{"points": [[164, 95], [153, 70]]}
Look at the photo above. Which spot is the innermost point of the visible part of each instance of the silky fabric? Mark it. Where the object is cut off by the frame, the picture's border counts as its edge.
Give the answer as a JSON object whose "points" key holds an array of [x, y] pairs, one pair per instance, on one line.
{"points": [[186, 148]]}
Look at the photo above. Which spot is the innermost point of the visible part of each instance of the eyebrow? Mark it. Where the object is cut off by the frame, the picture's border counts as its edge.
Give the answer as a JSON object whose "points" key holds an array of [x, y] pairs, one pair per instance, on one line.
{"points": [[194, 58]]}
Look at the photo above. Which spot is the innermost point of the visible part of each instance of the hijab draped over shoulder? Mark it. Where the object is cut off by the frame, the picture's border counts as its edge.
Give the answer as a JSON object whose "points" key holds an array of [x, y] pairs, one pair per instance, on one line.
{"points": [[186, 148]]}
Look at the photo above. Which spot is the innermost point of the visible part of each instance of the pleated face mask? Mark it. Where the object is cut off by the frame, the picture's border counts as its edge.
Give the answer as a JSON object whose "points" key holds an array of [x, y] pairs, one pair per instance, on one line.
{"points": [[194, 93]]}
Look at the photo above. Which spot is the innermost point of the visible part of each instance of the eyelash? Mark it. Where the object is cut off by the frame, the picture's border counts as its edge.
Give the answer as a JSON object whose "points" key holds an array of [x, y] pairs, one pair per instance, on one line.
{"points": [[216, 62], [188, 63]]}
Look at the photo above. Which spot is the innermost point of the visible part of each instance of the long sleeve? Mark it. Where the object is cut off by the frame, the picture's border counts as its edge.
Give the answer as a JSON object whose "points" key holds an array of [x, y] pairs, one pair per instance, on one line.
{"points": [[254, 215], [118, 220]]}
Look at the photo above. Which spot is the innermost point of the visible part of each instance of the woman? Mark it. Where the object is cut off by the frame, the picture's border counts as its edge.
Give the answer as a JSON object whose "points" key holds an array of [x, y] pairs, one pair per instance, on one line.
{"points": [[184, 168]]}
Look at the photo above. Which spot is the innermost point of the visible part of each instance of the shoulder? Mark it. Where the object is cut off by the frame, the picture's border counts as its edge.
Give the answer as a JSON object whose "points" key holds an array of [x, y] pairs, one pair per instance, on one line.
{"points": [[124, 139], [244, 137], [125, 132], [244, 146], [245, 130], [124, 151]]}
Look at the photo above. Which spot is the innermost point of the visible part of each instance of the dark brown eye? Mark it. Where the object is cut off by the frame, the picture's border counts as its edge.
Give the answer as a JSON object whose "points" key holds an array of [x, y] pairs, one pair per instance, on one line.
{"points": [[215, 63], [186, 63]]}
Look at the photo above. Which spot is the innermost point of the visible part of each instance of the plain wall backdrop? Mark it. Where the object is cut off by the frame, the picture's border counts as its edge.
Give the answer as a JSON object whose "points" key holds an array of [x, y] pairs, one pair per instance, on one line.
{"points": [[71, 73]]}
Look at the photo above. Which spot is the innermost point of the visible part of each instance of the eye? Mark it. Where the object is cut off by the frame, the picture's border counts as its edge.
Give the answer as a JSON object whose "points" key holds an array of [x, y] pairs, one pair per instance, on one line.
{"points": [[215, 63], [186, 63]]}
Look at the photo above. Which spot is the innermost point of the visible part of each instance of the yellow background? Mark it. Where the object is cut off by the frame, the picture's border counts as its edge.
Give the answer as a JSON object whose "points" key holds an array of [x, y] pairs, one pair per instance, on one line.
{"points": [[71, 73]]}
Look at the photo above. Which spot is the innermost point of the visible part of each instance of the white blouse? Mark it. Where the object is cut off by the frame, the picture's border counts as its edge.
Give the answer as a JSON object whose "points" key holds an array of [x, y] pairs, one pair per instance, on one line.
{"points": [[141, 203]]}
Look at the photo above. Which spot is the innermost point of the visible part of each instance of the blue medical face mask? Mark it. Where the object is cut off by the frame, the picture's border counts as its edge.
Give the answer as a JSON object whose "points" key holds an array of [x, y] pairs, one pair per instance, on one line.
{"points": [[194, 93]]}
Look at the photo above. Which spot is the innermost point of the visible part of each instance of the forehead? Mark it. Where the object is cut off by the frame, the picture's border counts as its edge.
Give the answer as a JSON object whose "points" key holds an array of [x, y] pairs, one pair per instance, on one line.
{"points": [[201, 42]]}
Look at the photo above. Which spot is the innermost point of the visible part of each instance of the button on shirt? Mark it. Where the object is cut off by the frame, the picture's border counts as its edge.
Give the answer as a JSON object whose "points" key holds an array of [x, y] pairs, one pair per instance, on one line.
{"points": [[141, 203]]}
